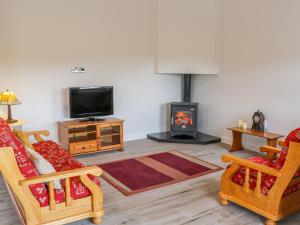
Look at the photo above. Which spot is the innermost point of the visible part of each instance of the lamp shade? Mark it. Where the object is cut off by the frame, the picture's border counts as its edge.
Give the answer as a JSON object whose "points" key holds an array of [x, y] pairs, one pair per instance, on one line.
{"points": [[8, 98]]}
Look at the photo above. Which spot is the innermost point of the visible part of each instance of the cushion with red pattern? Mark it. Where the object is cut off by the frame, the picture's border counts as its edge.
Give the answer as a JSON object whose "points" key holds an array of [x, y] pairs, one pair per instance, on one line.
{"points": [[269, 180], [293, 136], [62, 161], [239, 176], [26, 167]]}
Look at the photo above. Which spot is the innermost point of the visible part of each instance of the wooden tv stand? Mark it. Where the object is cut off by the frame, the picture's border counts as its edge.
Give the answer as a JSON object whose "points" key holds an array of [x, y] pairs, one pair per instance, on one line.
{"points": [[79, 137]]}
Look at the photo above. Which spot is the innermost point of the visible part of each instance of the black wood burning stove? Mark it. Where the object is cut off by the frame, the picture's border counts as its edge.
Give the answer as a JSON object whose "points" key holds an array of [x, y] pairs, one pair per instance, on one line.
{"points": [[184, 121]]}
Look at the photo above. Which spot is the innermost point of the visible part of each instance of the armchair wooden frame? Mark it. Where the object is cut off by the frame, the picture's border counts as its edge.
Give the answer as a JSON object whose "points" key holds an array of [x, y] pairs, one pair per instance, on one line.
{"points": [[274, 206], [28, 207]]}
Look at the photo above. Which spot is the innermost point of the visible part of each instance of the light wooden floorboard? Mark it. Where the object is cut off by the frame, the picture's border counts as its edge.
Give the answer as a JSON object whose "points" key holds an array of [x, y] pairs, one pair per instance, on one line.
{"points": [[192, 202]]}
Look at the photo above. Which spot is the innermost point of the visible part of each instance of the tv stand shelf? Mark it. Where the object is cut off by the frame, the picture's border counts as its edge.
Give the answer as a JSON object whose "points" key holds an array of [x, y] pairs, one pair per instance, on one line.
{"points": [[79, 137]]}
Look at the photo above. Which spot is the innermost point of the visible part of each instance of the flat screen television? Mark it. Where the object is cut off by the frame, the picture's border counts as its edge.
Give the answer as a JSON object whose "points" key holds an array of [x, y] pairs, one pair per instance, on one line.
{"points": [[90, 102]]}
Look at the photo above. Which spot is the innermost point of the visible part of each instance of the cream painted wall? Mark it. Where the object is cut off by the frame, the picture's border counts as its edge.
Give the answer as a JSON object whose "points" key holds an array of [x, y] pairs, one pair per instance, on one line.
{"points": [[187, 36], [260, 69], [114, 39]]}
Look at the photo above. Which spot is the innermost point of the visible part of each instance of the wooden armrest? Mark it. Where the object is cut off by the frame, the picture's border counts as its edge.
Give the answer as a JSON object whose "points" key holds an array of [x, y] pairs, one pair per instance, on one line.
{"points": [[92, 170], [266, 148], [252, 165], [271, 151], [37, 134], [40, 132]]}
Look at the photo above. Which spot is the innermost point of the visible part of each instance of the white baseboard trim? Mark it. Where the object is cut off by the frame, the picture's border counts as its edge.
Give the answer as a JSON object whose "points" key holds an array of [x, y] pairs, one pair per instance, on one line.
{"points": [[246, 145], [133, 137]]}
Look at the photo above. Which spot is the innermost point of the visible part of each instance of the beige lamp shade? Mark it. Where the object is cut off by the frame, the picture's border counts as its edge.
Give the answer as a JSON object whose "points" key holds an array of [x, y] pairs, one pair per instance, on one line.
{"points": [[8, 98]]}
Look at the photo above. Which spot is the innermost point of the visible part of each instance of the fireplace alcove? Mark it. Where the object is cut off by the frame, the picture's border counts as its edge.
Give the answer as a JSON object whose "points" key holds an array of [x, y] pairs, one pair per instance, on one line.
{"points": [[184, 121]]}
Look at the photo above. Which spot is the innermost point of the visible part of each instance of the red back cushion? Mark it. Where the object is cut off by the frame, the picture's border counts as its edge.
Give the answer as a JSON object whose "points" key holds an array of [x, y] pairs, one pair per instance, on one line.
{"points": [[8, 139], [293, 136], [27, 169]]}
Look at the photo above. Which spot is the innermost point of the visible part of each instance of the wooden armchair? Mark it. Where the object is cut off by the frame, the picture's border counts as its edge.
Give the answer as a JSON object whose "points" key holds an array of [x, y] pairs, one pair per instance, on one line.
{"points": [[28, 208], [275, 204]]}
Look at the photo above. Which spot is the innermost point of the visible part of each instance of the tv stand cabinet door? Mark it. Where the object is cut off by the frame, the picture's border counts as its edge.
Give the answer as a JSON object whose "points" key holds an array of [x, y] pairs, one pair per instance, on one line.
{"points": [[110, 136]]}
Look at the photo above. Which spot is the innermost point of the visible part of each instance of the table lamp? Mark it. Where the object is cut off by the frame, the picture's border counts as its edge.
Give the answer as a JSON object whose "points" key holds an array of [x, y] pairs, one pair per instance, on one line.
{"points": [[9, 98]]}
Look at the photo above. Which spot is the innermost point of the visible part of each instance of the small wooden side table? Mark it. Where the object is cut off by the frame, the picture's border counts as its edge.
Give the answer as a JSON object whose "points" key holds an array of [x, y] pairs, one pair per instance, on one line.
{"points": [[237, 134], [17, 125]]}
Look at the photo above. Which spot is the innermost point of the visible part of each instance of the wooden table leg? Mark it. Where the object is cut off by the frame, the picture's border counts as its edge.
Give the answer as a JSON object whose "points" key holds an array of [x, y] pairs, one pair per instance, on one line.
{"points": [[272, 142], [236, 141]]}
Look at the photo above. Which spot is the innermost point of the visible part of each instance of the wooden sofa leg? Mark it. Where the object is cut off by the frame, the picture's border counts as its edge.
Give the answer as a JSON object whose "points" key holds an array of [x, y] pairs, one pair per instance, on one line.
{"points": [[224, 202], [97, 220], [270, 222]]}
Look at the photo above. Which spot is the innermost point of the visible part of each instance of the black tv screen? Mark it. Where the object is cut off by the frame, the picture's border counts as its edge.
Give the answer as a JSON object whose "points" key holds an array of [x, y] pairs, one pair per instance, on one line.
{"points": [[91, 101]]}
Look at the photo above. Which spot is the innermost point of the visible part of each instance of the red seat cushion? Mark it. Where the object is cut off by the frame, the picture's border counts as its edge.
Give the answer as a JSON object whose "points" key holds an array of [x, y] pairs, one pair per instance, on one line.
{"points": [[62, 161], [268, 180], [239, 176]]}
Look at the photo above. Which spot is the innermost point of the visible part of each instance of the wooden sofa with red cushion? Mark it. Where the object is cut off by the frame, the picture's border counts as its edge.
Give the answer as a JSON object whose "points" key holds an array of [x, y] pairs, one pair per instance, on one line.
{"points": [[269, 186], [34, 195]]}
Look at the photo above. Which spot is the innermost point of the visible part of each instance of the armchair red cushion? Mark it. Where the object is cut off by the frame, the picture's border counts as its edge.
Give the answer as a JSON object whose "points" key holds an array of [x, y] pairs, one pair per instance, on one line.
{"points": [[268, 180]]}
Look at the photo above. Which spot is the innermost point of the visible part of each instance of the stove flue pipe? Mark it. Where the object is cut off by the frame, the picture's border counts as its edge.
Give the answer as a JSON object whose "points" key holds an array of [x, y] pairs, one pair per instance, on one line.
{"points": [[187, 87]]}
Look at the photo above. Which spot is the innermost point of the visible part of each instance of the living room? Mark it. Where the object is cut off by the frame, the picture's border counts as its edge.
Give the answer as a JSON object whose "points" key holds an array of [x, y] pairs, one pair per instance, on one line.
{"points": [[242, 56]]}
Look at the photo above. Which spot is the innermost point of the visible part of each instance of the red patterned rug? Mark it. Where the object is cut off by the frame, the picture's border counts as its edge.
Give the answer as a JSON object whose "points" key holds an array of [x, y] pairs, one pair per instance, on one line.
{"points": [[132, 176]]}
